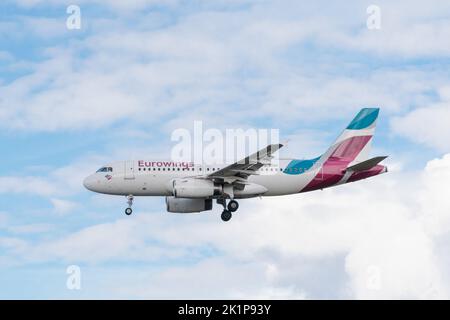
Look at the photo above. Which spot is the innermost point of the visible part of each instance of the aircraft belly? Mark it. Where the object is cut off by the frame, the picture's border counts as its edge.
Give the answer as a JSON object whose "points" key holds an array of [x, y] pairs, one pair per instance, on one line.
{"points": [[282, 184], [155, 185], [140, 186]]}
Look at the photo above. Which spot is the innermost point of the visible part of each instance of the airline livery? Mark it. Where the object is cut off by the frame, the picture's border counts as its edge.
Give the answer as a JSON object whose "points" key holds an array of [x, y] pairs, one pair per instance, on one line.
{"points": [[190, 187]]}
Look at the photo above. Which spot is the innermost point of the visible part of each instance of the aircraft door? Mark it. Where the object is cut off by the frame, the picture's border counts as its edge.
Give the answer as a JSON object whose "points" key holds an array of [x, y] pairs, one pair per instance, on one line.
{"points": [[129, 169]]}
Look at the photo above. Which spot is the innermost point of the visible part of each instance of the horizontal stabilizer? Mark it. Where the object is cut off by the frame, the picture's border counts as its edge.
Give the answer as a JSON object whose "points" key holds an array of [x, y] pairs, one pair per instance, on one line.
{"points": [[366, 165]]}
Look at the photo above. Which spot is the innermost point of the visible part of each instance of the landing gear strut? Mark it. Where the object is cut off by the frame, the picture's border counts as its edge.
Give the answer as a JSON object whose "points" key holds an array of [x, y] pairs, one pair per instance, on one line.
{"points": [[233, 205], [128, 210]]}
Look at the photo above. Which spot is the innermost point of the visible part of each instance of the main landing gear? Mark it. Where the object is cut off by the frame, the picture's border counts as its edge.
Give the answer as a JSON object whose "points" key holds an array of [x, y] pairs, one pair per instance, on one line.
{"points": [[232, 206], [128, 210]]}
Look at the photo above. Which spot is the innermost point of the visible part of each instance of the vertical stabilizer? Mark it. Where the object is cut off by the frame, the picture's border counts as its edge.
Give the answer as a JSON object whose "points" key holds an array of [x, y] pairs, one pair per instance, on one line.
{"points": [[355, 141]]}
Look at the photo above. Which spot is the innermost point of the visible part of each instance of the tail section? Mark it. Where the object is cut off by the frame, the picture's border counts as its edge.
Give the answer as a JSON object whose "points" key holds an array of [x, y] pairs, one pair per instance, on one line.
{"points": [[347, 159], [354, 144]]}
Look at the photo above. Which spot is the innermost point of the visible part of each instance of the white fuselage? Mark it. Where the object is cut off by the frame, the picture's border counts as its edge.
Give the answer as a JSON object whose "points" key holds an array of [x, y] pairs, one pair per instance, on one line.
{"points": [[132, 177]]}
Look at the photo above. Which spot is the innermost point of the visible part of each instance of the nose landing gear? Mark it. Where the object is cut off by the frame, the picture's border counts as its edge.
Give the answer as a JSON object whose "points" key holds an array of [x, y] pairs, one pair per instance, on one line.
{"points": [[128, 210]]}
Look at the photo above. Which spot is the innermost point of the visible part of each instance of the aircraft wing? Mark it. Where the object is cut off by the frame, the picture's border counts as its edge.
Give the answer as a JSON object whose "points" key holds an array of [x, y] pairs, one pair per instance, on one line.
{"points": [[247, 166]]}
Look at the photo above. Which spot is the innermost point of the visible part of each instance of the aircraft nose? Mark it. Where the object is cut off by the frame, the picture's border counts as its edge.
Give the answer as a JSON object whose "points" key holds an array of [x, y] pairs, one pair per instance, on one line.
{"points": [[89, 183]]}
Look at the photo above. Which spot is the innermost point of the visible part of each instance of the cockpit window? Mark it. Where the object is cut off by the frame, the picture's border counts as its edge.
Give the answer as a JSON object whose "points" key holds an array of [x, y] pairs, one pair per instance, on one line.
{"points": [[105, 169]]}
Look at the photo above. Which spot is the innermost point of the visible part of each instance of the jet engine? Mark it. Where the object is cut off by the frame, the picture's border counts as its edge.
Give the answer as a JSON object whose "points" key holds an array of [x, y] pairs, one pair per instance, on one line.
{"points": [[184, 205], [195, 188]]}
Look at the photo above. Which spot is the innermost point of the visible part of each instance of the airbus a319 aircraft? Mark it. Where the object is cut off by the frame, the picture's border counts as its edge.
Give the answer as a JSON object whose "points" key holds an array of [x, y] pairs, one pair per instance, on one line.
{"points": [[190, 187]]}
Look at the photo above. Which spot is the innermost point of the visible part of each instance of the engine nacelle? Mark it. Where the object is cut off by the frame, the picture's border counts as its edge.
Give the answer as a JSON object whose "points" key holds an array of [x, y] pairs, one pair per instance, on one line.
{"points": [[195, 188], [183, 205]]}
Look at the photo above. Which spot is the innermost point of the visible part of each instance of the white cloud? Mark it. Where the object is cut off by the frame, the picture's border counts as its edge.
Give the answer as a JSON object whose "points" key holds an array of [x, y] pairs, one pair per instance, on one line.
{"points": [[6, 56], [398, 39], [44, 27], [428, 125], [12, 246], [63, 206], [31, 185], [69, 100], [54, 182], [182, 70], [114, 4], [433, 197], [3, 220], [30, 228]]}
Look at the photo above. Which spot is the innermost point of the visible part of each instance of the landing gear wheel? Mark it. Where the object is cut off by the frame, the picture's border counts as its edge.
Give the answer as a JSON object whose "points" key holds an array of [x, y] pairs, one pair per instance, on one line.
{"points": [[226, 215], [233, 205], [130, 199]]}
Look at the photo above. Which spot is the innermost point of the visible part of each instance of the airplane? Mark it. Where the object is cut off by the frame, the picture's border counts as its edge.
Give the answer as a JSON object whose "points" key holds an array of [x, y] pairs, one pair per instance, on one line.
{"points": [[192, 188]]}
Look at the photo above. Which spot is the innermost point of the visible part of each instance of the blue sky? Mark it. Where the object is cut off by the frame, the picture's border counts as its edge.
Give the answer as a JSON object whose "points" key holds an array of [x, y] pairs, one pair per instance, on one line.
{"points": [[73, 100]]}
